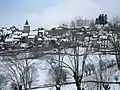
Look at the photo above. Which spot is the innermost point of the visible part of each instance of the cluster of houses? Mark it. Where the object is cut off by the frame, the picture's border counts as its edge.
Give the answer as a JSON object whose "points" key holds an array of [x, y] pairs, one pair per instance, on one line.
{"points": [[14, 35], [97, 36], [14, 38]]}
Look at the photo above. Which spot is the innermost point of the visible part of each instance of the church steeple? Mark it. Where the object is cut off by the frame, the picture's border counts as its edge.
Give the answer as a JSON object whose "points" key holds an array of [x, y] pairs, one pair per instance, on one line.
{"points": [[26, 27], [26, 22]]}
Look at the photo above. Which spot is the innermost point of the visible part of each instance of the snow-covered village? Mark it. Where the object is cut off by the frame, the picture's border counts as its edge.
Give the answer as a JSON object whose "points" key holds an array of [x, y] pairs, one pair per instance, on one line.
{"points": [[82, 54]]}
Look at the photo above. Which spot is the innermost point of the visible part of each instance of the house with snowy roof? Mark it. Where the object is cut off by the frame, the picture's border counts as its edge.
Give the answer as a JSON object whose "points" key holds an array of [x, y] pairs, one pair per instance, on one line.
{"points": [[32, 36]]}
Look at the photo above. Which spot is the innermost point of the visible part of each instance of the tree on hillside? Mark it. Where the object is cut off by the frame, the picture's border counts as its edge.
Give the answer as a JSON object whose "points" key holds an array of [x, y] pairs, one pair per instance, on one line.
{"points": [[116, 20], [92, 23], [79, 22]]}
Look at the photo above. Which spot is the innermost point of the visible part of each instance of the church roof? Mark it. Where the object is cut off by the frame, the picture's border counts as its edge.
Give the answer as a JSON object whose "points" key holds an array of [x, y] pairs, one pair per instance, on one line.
{"points": [[26, 22]]}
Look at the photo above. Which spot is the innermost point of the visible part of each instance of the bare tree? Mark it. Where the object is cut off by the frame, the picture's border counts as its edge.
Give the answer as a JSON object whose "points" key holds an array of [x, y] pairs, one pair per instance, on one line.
{"points": [[57, 74], [21, 72], [78, 68], [92, 23], [73, 61], [3, 80], [79, 22], [116, 20], [103, 71], [115, 38]]}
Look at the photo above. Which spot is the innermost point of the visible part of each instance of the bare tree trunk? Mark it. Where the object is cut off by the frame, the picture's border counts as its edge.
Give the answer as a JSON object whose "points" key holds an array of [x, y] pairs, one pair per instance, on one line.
{"points": [[29, 85], [58, 88], [20, 87], [100, 72], [78, 88], [106, 87], [97, 86], [78, 85], [16, 88]]}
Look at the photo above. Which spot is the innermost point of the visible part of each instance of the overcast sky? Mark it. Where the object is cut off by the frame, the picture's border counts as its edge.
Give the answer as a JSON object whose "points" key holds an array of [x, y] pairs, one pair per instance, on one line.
{"points": [[49, 13]]}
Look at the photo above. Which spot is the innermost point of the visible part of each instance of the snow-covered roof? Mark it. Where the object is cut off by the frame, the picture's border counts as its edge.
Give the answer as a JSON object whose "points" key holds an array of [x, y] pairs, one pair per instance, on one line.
{"points": [[107, 25], [109, 34], [89, 32], [16, 39], [58, 28], [0, 28], [13, 29], [65, 40], [9, 32], [16, 36], [80, 33], [24, 34], [99, 26], [33, 33], [58, 36], [4, 29], [53, 38], [86, 38], [86, 26], [31, 36], [39, 39], [47, 39], [23, 45], [95, 36], [42, 31], [82, 29], [17, 32], [103, 37], [9, 40]]}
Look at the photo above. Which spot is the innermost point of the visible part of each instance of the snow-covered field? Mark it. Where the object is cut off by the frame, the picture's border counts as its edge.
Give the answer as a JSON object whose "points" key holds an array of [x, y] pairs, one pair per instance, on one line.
{"points": [[43, 77]]}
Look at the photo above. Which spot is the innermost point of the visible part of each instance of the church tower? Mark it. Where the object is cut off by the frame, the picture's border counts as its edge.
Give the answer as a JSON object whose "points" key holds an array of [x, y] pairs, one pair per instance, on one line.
{"points": [[26, 27]]}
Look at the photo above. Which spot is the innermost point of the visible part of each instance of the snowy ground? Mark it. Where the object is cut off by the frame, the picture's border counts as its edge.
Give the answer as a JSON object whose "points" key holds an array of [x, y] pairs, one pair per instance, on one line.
{"points": [[43, 73], [94, 59]]}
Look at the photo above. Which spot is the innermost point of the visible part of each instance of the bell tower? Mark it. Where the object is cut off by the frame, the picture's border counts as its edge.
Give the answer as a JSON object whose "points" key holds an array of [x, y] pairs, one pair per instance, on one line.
{"points": [[26, 27]]}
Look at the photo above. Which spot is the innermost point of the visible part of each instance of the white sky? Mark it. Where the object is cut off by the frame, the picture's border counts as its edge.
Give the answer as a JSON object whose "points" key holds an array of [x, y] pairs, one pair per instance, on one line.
{"points": [[56, 12]]}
